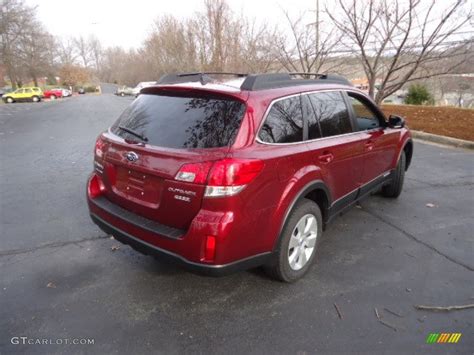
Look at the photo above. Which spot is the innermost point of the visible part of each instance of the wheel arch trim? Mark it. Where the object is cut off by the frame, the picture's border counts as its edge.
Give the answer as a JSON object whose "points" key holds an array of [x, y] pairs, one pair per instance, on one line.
{"points": [[309, 187], [407, 142]]}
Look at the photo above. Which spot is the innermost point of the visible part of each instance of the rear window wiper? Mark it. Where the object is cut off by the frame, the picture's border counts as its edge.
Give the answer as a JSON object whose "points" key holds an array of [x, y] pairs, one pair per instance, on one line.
{"points": [[136, 134]]}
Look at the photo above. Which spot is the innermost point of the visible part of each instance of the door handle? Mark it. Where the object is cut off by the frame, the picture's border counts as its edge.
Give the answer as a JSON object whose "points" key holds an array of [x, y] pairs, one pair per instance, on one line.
{"points": [[326, 157], [369, 145]]}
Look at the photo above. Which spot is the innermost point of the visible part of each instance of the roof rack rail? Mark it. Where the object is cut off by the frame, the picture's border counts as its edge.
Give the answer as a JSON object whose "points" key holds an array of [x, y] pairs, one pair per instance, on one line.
{"points": [[279, 80], [255, 82], [202, 77]]}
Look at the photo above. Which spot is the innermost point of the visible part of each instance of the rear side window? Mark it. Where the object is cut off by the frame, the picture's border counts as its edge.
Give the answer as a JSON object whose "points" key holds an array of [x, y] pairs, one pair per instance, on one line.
{"points": [[331, 110], [174, 121], [314, 131], [284, 122]]}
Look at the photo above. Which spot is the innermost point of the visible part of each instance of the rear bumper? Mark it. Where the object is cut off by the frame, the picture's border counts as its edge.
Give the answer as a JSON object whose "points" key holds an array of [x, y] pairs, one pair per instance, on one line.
{"points": [[201, 268]]}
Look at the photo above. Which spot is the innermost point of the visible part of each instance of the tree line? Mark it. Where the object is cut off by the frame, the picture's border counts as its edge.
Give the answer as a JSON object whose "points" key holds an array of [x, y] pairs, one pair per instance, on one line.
{"points": [[390, 43]]}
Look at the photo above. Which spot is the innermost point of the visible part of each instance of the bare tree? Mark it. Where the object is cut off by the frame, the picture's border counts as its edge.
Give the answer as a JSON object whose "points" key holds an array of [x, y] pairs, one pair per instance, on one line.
{"points": [[66, 51], [125, 67], [35, 51], [258, 50], [72, 75], [15, 18], [83, 50], [215, 39], [95, 51], [306, 49], [213, 30], [169, 47], [401, 41]]}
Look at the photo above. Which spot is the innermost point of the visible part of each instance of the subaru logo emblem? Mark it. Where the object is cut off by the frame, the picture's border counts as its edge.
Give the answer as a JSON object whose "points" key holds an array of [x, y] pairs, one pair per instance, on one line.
{"points": [[131, 156]]}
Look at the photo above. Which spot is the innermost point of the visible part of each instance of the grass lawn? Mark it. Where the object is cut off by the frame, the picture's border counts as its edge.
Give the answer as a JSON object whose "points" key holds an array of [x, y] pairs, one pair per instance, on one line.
{"points": [[446, 121]]}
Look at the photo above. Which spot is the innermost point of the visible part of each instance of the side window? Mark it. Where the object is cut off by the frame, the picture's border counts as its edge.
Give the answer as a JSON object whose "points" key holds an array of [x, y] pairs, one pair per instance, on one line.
{"points": [[284, 122], [28, 91], [314, 131], [20, 91], [365, 117], [331, 110]]}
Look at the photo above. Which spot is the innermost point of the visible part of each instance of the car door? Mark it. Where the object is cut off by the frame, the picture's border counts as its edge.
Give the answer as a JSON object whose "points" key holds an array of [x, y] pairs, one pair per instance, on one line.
{"points": [[379, 142], [28, 94], [18, 94], [283, 128], [333, 145]]}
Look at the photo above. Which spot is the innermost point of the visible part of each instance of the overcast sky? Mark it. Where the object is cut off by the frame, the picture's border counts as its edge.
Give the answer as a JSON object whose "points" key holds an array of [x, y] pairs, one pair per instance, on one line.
{"points": [[126, 23]]}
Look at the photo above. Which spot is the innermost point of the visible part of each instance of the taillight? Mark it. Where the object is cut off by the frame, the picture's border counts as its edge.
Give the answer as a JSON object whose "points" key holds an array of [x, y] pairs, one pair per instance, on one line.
{"points": [[195, 173], [99, 147], [224, 177], [234, 172], [230, 176], [95, 187]]}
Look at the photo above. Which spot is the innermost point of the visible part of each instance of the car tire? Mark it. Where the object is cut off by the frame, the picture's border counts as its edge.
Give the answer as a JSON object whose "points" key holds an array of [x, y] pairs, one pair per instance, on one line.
{"points": [[53, 97], [293, 257], [394, 189], [35, 99], [9, 100]]}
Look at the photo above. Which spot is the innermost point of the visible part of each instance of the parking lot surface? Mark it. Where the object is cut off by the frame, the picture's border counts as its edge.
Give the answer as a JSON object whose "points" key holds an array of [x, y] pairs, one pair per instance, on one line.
{"points": [[62, 278]]}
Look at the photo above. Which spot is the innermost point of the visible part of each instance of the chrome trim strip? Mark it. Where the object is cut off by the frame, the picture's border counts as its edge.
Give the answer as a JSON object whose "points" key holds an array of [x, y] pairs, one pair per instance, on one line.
{"points": [[315, 139], [265, 115]]}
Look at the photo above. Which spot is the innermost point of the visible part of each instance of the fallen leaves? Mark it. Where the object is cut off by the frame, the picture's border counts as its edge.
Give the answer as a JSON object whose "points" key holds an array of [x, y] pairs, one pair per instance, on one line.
{"points": [[115, 248], [51, 285], [431, 205]]}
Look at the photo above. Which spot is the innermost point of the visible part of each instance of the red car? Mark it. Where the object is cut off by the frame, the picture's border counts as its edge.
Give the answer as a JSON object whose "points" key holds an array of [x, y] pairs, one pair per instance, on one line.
{"points": [[53, 94], [223, 176]]}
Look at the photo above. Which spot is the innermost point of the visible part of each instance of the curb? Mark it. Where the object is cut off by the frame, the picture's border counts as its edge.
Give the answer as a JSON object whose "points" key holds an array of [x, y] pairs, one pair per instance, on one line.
{"points": [[458, 143]]}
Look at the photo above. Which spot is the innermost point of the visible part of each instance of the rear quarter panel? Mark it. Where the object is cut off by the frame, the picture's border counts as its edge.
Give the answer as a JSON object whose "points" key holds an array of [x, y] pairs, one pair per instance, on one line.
{"points": [[288, 169]]}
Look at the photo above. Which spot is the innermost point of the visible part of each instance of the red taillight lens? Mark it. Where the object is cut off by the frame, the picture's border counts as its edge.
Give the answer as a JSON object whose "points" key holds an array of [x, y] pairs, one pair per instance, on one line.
{"points": [[234, 172], [99, 147], [195, 173], [96, 187], [210, 248], [224, 177]]}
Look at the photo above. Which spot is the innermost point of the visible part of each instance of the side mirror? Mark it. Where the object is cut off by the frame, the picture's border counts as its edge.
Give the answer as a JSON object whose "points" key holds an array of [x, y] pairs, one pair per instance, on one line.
{"points": [[395, 121]]}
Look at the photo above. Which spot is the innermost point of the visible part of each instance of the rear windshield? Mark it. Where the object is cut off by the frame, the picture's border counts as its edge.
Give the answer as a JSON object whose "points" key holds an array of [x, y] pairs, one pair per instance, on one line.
{"points": [[178, 121]]}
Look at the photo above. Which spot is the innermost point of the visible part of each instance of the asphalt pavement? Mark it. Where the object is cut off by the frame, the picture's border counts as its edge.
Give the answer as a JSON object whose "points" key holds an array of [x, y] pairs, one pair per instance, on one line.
{"points": [[62, 278]]}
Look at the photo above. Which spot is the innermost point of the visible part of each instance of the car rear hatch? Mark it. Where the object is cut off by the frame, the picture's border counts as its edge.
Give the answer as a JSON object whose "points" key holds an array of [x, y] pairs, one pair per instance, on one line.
{"points": [[153, 139]]}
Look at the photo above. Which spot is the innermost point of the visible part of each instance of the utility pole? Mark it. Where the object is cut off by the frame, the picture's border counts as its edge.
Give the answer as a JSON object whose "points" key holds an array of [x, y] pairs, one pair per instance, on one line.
{"points": [[317, 28]]}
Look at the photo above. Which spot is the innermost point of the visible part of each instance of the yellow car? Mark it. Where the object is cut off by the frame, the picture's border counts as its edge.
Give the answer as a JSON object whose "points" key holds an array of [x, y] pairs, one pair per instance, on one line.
{"points": [[24, 94]]}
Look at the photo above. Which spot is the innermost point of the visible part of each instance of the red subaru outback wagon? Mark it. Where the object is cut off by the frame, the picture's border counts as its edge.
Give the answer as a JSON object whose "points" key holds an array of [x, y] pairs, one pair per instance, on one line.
{"points": [[227, 175]]}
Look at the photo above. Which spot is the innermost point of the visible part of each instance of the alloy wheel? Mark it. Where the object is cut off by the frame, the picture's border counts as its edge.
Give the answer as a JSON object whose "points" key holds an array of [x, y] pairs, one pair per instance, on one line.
{"points": [[302, 241]]}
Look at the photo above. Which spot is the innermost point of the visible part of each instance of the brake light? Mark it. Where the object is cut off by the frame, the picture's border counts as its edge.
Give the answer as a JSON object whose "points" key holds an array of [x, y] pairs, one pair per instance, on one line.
{"points": [[195, 173], [99, 147], [224, 177], [95, 187]]}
